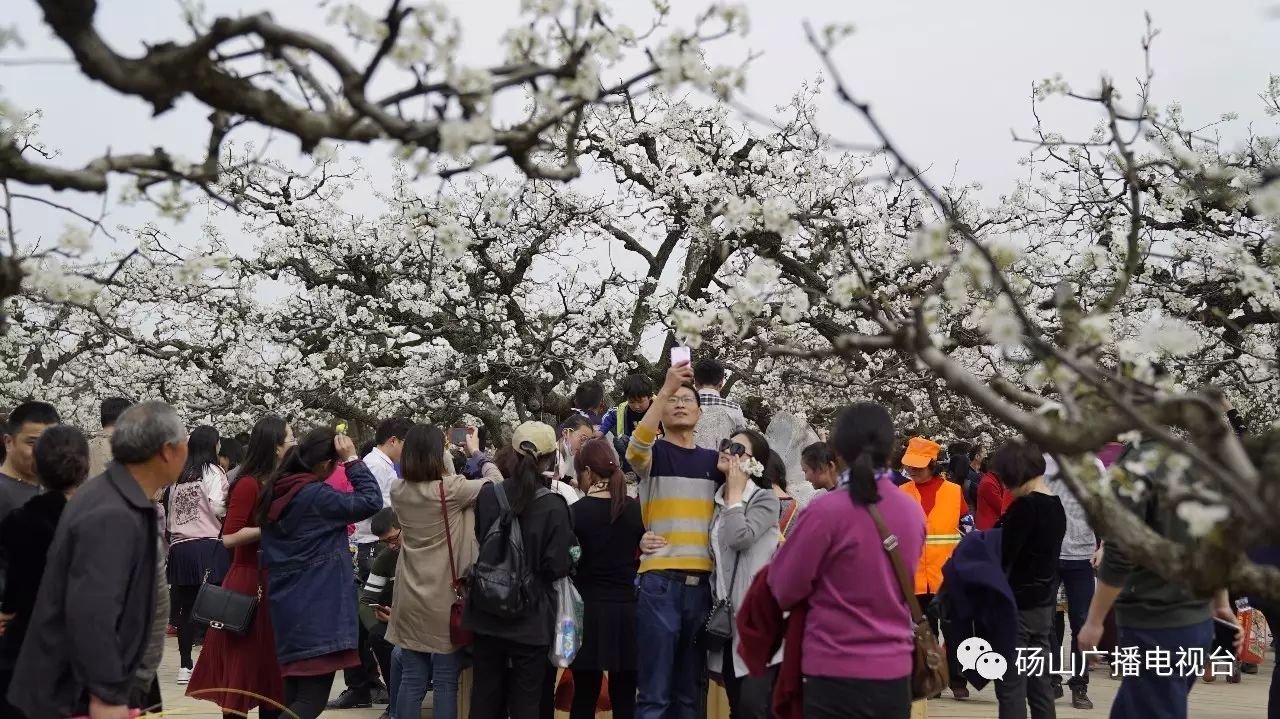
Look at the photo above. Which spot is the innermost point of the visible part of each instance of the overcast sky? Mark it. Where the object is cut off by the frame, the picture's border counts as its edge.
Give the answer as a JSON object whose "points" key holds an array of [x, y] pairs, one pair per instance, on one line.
{"points": [[950, 80]]}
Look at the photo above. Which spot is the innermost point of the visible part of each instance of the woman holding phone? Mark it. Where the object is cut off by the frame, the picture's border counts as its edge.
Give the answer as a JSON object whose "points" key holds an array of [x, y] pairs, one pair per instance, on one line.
{"points": [[436, 510], [304, 547]]}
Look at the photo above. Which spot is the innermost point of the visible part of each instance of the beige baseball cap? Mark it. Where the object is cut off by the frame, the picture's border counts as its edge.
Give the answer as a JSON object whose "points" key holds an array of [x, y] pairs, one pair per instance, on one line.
{"points": [[534, 438]]}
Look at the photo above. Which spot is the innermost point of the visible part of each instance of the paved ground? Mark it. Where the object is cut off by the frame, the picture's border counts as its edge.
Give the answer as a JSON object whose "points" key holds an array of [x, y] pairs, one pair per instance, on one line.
{"points": [[1218, 700]]}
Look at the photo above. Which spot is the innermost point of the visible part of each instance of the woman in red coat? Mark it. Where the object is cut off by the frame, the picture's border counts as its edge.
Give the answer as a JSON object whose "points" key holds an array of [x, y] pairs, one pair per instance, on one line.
{"points": [[239, 672]]}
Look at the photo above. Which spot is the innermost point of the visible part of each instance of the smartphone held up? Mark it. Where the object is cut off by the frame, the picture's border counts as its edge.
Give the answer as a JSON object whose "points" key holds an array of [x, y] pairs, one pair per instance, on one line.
{"points": [[680, 355]]}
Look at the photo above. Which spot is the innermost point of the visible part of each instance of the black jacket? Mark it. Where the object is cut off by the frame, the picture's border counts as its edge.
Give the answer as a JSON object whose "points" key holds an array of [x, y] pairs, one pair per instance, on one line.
{"points": [[25, 536], [547, 531], [93, 614]]}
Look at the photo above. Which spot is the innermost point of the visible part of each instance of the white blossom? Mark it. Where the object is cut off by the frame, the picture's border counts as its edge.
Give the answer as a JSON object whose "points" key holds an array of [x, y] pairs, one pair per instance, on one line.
{"points": [[1001, 323], [471, 81], [458, 136], [75, 240], [690, 325], [1095, 329], [1266, 200], [929, 245], [777, 215], [739, 214], [453, 240], [794, 306], [844, 289], [1201, 518], [1168, 335]]}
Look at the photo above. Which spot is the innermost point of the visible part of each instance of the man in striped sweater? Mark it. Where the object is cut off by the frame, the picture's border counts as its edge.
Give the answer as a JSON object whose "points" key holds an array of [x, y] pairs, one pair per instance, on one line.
{"points": [[678, 481]]}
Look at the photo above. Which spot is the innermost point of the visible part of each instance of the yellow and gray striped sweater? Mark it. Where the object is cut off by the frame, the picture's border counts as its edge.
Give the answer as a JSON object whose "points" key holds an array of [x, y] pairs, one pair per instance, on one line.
{"points": [[677, 490]]}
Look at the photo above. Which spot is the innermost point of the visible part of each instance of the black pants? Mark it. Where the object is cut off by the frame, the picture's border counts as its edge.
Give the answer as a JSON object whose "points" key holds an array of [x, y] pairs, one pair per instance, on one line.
{"points": [[364, 677], [586, 690], [941, 627], [1077, 576], [148, 700], [6, 675], [306, 696], [1016, 691], [547, 704], [834, 698], [183, 598], [507, 679], [749, 697], [381, 649]]}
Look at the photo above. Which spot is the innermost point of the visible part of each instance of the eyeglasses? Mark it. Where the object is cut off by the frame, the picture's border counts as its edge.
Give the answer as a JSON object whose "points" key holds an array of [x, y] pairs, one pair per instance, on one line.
{"points": [[683, 401], [736, 449]]}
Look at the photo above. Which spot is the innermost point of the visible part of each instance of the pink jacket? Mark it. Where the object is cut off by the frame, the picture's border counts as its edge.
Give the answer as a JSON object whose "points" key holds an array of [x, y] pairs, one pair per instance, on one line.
{"points": [[338, 480], [195, 509]]}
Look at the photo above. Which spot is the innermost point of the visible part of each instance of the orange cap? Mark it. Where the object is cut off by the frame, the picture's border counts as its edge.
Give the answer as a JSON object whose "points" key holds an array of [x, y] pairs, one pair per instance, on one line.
{"points": [[920, 452]]}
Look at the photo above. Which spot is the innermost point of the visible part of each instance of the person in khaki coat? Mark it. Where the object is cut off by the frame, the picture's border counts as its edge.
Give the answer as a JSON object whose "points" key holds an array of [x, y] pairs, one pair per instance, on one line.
{"points": [[423, 592]]}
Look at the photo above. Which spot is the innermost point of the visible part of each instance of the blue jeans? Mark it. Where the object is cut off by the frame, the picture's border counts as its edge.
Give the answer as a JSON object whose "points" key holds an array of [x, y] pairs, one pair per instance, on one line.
{"points": [[669, 615], [1077, 576], [417, 671], [393, 682], [1148, 696]]}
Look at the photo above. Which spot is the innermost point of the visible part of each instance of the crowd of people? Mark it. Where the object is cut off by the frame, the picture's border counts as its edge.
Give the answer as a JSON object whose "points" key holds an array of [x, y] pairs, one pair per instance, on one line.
{"points": [[406, 562]]}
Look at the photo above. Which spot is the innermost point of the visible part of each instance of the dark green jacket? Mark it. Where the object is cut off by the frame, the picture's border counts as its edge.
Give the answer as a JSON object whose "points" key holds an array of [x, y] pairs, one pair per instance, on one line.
{"points": [[378, 585], [1147, 600]]}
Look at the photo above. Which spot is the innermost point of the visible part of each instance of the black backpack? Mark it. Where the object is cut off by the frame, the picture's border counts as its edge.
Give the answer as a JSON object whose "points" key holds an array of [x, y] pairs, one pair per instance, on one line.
{"points": [[500, 578]]}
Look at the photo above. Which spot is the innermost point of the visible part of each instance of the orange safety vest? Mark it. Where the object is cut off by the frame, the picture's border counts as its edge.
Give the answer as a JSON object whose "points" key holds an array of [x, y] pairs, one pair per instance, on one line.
{"points": [[942, 534]]}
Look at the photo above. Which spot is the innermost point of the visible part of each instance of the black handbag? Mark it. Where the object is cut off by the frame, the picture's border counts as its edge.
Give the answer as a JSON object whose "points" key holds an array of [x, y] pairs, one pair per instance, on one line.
{"points": [[717, 630], [221, 608]]}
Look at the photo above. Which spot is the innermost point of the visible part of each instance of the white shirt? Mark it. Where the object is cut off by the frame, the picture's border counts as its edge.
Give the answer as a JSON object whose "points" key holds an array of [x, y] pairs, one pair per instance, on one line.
{"points": [[566, 490], [384, 470]]}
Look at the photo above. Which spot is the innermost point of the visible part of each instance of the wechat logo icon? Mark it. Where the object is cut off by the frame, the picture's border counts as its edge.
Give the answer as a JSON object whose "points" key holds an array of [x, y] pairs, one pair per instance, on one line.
{"points": [[976, 654]]}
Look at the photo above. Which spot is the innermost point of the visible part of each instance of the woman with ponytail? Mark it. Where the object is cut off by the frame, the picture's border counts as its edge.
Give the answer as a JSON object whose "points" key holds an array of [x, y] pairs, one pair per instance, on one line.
{"points": [[608, 526], [304, 548], [509, 654], [194, 509], [858, 644]]}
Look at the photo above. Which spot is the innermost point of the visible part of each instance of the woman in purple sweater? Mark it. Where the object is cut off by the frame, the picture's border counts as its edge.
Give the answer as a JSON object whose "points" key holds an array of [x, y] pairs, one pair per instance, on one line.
{"points": [[857, 638]]}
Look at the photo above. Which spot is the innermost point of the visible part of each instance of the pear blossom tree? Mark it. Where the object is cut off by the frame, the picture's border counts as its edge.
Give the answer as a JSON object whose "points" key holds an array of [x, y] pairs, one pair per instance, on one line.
{"points": [[1127, 292], [391, 78]]}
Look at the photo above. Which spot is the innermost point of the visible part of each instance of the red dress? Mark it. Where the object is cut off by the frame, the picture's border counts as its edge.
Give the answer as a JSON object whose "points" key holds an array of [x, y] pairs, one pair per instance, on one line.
{"points": [[245, 664]]}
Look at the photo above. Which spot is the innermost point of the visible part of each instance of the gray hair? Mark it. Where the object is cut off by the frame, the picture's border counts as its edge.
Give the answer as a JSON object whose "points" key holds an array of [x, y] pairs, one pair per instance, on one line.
{"points": [[143, 430]]}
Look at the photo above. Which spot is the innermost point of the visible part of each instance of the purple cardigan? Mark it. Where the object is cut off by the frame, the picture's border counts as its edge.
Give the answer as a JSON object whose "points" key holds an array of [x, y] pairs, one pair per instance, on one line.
{"points": [[858, 626]]}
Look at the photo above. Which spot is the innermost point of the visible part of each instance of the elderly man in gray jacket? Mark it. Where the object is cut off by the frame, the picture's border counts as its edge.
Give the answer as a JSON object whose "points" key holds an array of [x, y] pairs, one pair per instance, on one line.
{"points": [[97, 635], [1075, 574]]}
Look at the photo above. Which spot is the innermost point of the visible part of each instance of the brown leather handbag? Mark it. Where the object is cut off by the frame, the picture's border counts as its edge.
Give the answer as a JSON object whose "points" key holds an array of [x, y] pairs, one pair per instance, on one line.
{"points": [[928, 666], [458, 634]]}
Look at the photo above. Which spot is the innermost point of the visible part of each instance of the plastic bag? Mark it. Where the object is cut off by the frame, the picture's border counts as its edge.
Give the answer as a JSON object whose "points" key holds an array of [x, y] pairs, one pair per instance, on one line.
{"points": [[1256, 636], [568, 638]]}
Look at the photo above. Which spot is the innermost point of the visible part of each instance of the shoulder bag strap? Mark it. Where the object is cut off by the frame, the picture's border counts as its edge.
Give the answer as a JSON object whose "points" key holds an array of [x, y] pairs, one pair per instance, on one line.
{"points": [[890, 544], [737, 557], [448, 533], [790, 516], [501, 495], [733, 577]]}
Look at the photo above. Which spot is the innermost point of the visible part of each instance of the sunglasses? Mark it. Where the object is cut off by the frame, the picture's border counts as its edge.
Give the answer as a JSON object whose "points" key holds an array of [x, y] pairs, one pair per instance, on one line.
{"points": [[736, 449]]}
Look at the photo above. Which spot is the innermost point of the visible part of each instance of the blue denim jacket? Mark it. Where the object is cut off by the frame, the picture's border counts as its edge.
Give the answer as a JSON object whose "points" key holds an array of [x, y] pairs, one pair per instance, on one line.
{"points": [[311, 585]]}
